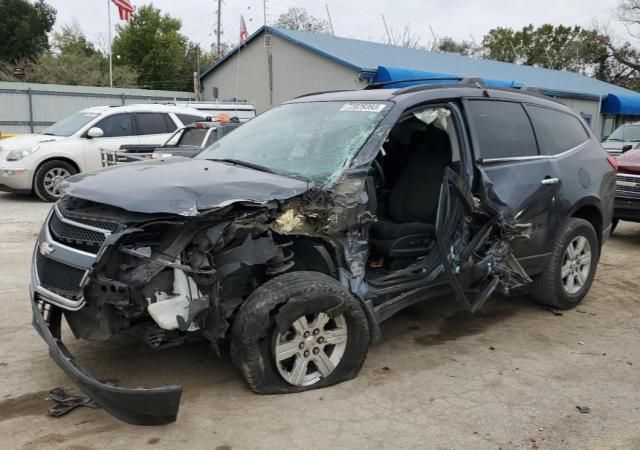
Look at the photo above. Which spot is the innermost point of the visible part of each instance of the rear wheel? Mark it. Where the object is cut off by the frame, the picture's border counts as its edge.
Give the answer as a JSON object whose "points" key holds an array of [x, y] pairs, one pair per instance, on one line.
{"points": [[299, 331], [48, 179], [572, 266]]}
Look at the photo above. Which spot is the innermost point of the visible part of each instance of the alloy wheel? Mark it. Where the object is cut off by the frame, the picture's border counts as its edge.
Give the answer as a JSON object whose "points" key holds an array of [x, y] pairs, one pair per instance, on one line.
{"points": [[311, 348], [576, 265], [53, 179]]}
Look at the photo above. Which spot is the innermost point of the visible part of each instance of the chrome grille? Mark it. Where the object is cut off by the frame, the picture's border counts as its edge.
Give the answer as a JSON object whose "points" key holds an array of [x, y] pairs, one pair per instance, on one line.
{"points": [[627, 184], [58, 277], [82, 234], [67, 233]]}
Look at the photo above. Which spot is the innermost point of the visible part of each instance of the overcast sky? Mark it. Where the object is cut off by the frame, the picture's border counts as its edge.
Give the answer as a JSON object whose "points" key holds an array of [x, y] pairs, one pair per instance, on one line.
{"points": [[360, 19]]}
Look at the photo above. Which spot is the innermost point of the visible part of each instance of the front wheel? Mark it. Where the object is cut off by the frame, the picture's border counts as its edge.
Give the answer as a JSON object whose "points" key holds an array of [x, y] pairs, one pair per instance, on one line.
{"points": [[47, 181], [299, 331], [572, 266]]}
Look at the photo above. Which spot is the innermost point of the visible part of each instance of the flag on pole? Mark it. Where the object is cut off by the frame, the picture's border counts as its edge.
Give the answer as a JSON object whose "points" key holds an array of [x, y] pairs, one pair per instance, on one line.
{"points": [[125, 9], [244, 35]]}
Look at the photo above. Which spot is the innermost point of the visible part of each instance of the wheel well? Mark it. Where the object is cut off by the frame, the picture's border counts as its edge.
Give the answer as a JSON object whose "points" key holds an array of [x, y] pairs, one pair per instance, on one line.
{"points": [[67, 160], [592, 215]]}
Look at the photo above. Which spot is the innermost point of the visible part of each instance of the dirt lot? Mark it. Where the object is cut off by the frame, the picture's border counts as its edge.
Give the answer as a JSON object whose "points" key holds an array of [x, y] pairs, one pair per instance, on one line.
{"points": [[508, 377]]}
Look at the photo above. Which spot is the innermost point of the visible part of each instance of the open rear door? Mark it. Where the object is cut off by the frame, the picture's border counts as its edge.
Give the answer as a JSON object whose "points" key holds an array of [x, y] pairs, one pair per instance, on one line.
{"points": [[474, 244]]}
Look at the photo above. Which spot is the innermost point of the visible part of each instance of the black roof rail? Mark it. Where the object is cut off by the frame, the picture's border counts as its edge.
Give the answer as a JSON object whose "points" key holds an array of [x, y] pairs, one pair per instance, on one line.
{"points": [[382, 84], [309, 94]]}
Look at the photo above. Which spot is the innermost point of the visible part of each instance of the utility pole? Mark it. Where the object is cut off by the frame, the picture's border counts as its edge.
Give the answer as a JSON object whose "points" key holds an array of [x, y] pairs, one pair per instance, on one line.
{"points": [[330, 21], [391, 41], [218, 29], [264, 11]]}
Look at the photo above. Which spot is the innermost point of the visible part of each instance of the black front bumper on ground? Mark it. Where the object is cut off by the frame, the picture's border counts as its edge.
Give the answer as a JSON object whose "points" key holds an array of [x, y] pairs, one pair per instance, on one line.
{"points": [[139, 406]]}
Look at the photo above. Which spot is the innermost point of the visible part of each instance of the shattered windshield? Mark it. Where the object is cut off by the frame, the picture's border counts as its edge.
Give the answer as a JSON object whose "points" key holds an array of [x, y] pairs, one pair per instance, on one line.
{"points": [[310, 141]]}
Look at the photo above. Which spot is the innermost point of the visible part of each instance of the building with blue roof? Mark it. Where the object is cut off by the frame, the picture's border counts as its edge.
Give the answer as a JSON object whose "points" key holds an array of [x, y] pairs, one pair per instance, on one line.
{"points": [[276, 65]]}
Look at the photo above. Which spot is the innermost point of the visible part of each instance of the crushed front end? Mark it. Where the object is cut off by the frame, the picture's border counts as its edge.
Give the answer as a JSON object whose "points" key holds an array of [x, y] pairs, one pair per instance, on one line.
{"points": [[164, 278]]}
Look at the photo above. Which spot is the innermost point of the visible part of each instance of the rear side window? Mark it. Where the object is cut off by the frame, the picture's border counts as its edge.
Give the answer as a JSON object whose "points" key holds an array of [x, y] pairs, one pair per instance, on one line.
{"points": [[557, 131], [117, 125], [193, 137], [503, 130], [187, 119], [151, 123]]}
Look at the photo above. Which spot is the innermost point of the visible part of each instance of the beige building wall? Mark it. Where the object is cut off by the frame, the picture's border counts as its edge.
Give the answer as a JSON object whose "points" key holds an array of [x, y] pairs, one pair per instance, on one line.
{"points": [[295, 71]]}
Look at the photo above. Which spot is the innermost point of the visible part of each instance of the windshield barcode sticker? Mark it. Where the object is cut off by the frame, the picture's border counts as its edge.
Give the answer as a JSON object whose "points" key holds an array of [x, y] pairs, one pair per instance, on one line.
{"points": [[363, 107]]}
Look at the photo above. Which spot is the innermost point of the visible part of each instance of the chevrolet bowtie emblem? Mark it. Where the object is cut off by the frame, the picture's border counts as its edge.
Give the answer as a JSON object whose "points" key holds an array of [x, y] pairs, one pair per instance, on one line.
{"points": [[45, 248]]}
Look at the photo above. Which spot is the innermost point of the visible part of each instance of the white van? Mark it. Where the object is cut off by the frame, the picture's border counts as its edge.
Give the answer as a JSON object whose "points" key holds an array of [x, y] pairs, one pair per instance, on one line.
{"points": [[39, 162], [243, 111]]}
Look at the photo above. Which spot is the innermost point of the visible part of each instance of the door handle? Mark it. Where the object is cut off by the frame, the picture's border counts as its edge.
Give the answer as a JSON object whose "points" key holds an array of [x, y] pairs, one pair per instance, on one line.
{"points": [[548, 181]]}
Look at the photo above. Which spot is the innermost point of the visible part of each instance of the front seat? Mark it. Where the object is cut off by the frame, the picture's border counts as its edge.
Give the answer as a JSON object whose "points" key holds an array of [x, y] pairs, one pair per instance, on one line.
{"points": [[408, 231]]}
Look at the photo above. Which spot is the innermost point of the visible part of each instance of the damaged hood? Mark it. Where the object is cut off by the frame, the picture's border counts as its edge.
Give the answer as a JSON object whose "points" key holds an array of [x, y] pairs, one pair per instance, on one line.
{"points": [[181, 186]]}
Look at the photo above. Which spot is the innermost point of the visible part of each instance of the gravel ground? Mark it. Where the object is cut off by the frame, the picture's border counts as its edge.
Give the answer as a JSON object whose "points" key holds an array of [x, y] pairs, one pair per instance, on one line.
{"points": [[510, 376]]}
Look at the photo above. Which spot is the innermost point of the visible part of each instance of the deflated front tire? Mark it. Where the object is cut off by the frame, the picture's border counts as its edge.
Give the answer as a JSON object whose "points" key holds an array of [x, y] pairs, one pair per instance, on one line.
{"points": [[299, 331]]}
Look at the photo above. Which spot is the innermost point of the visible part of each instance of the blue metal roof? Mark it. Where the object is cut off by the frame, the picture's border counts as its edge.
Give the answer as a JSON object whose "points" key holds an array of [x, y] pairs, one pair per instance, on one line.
{"points": [[382, 62]]}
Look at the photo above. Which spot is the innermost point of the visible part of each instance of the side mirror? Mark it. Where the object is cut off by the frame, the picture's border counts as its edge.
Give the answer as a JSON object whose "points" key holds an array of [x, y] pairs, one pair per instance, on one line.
{"points": [[626, 148], [95, 132]]}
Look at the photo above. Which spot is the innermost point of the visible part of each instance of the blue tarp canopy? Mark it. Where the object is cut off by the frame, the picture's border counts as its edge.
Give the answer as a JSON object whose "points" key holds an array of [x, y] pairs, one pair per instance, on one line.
{"points": [[386, 74], [622, 105]]}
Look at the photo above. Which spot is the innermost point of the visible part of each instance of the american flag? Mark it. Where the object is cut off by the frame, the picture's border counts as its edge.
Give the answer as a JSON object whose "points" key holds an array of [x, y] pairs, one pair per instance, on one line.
{"points": [[125, 9], [244, 35]]}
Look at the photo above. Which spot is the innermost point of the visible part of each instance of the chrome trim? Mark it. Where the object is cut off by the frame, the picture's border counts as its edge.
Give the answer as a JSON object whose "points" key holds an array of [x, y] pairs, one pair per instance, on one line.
{"points": [[620, 175], [549, 181], [532, 158], [52, 297], [78, 224], [50, 238]]}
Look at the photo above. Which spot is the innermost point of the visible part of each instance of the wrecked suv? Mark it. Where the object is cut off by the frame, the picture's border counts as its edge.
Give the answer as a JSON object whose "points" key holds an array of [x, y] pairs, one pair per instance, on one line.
{"points": [[294, 237]]}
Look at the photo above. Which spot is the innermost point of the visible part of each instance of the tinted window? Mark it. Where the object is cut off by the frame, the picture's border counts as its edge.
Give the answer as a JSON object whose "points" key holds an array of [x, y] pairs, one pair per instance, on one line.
{"points": [[151, 123], [117, 125], [215, 134], [193, 137], [503, 130], [171, 125], [186, 119], [557, 132]]}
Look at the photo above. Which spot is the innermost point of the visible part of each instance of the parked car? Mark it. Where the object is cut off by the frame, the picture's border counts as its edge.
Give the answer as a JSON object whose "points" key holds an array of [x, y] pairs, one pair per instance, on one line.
{"points": [[242, 110], [624, 138], [40, 162], [627, 204], [187, 141], [192, 139], [296, 235]]}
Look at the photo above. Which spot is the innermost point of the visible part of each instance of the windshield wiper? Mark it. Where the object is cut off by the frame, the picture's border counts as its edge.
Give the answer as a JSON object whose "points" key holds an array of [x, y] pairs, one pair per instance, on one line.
{"points": [[239, 162], [48, 134]]}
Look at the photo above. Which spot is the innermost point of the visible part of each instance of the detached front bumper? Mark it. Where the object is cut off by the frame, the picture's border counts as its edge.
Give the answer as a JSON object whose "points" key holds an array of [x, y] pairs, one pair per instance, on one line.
{"points": [[139, 406]]}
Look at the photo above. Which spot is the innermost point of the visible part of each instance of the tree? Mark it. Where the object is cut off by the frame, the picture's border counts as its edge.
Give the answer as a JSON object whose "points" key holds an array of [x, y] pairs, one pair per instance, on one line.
{"points": [[72, 61], [298, 19], [23, 29], [450, 45], [553, 47], [71, 39], [405, 38], [152, 44]]}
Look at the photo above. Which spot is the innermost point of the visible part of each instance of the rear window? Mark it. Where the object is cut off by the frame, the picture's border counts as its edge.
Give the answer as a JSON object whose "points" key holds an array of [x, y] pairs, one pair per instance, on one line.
{"points": [[557, 132], [193, 137], [151, 123], [503, 130]]}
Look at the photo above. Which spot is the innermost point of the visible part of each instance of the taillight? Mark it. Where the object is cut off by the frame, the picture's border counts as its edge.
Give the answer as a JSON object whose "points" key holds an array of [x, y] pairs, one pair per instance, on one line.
{"points": [[613, 163]]}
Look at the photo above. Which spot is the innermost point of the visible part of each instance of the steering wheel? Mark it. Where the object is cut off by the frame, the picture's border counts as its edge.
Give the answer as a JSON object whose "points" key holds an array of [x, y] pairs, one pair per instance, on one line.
{"points": [[377, 173]]}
